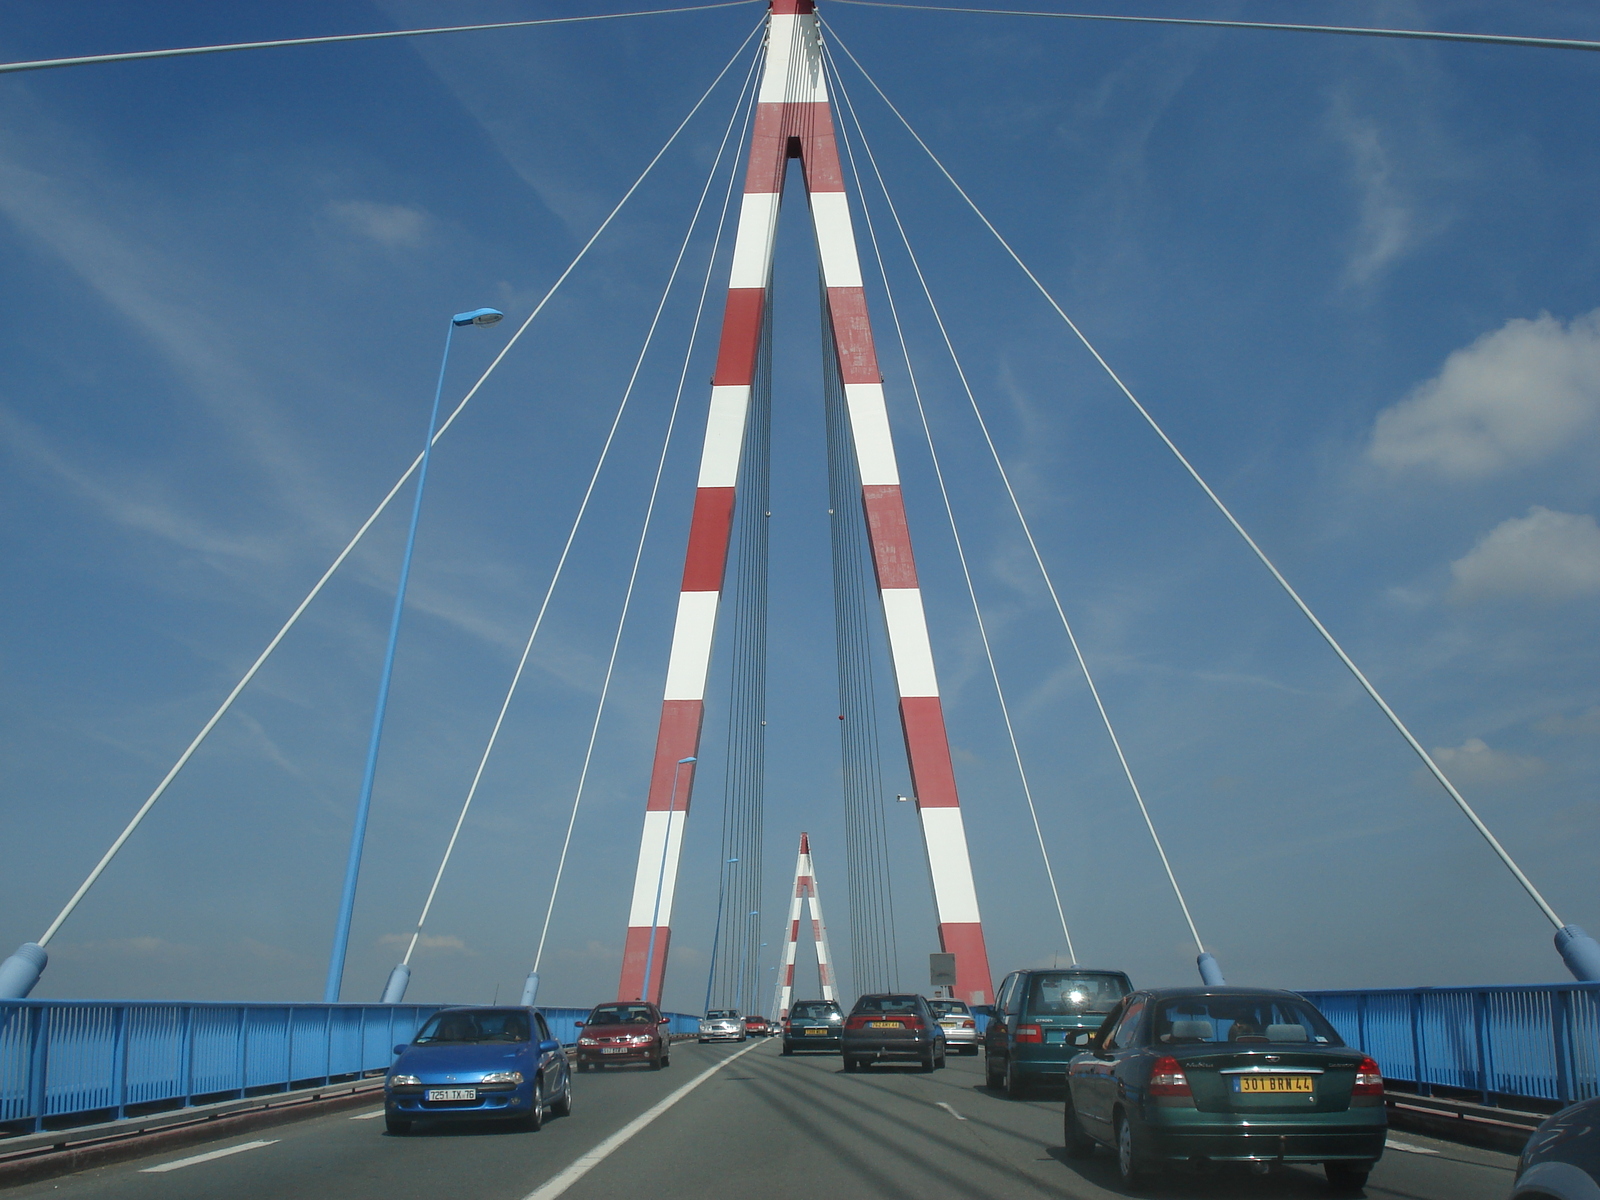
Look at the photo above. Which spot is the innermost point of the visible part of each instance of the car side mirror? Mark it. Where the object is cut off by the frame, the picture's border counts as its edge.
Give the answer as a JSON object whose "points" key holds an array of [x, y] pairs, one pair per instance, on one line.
{"points": [[549, 1047], [401, 1048], [578, 1024], [664, 1021]]}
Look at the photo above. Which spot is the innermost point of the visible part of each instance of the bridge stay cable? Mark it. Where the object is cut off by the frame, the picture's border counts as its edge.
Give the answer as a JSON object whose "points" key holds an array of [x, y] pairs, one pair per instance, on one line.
{"points": [[20, 972], [1429, 35], [944, 493], [43, 64], [1207, 963], [395, 989], [1578, 950]]}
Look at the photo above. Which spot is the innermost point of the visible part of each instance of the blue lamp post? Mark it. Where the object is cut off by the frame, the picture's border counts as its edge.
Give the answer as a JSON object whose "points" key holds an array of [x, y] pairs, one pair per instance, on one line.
{"points": [[716, 929], [661, 876], [358, 836]]}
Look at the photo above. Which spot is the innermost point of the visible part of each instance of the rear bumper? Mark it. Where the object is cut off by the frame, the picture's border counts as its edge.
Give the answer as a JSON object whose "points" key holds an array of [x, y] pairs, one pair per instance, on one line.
{"points": [[800, 1040], [888, 1047], [1258, 1141]]}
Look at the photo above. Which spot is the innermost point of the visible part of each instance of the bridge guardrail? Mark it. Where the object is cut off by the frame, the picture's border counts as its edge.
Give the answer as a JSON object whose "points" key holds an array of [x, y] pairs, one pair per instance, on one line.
{"points": [[63, 1061], [1540, 1042]]}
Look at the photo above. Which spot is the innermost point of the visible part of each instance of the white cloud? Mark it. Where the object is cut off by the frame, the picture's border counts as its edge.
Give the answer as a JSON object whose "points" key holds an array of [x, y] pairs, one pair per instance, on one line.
{"points": [[1585, 724], [1385, 230], [1545, 555], [448, 942], [1513, 397], [1473, 763], [390, 224]]}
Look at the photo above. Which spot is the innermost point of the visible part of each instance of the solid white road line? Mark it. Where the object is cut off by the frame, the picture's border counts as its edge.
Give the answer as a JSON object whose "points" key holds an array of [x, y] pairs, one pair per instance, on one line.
{"points": [[1391, 1144], [951, 1111], [206, 1157], [377, 1112], [588, 1162]]}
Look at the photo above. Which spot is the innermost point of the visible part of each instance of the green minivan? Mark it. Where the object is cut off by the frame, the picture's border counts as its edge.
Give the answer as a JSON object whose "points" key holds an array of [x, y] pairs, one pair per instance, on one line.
{"points": [[1043, 1016]]}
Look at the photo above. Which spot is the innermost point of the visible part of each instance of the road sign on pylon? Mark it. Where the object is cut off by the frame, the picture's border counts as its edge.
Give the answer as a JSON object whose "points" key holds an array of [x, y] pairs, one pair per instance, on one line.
{"points": [[794, 120], [805, 888]]}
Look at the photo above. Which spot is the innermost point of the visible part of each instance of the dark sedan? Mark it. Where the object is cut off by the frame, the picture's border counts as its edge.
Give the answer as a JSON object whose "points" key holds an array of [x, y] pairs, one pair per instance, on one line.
{"points": [[1562, 1159], [478, 1064], [813, 1025], [892, 1026], [1221, 1075]]}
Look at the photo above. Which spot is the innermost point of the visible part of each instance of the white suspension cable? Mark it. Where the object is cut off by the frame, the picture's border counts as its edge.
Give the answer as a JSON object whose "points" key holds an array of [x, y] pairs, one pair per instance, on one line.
{"points": [[360, 533], [41, 64], [955, 532], [555, 578], [1430, 35], [1016, 506], [1366, 684]]}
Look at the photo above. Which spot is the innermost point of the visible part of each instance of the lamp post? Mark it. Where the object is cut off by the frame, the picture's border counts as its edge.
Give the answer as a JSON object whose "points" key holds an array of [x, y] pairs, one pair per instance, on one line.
{"points": [[661, 876], [716, 929], [358, 835], [744, 958]]}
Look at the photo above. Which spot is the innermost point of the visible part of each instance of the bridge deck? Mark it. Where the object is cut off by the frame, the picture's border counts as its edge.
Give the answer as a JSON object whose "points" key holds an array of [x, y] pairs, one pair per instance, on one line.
{"points": [[762, 1126]]}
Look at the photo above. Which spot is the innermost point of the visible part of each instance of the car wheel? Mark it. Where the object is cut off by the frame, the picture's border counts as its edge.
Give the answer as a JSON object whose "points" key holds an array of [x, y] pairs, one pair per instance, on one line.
{"points": [[940, 1061], [561, 1106], [396, 1125], [929, 1062], [666, 1059], [1078, 1143], [992, 1077], [658, 1062], [1131, 1166], [702, 1041], [1016, 1089], [534, 1121], [787, 1048], [1344, 1175]]}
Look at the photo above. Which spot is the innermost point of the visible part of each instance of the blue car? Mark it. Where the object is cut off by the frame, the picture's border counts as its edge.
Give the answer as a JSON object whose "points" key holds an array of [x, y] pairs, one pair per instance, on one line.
{"points": [[478, 1064]]}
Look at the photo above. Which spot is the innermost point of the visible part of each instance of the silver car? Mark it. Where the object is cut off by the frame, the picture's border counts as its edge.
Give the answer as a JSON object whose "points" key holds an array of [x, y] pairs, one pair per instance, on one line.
{"points": [[960, 1025], [722, 1025]]}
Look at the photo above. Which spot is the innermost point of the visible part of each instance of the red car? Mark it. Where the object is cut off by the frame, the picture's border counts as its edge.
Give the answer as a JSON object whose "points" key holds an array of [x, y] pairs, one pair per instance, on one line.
{"points": [[756, 1027], [629, 1031]]}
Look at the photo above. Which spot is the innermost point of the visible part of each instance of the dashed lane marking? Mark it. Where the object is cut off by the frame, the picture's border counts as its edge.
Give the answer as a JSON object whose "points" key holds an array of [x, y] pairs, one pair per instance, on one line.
{"points": [[377, 1112], [1407, 1147], [951, 1111], [588, 1162], [206, 1157]]}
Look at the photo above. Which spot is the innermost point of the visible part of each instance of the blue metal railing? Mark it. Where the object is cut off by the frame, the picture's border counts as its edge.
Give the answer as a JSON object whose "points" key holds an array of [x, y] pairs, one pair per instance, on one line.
{"points": [[65, 1060], [1539, 1042]]}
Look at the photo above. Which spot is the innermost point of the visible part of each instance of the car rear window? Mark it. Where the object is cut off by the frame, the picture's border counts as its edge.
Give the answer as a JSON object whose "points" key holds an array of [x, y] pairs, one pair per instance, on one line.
{"points": [[1069, 993], [621, 1014], [480, 1026], [887, 1004], [1235, 1019], [950, 1008], [813, 1012]]}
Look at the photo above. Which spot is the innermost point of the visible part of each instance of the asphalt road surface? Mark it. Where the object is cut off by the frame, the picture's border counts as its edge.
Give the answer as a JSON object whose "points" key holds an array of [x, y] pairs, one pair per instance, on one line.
{"points": [[758, 1126]]}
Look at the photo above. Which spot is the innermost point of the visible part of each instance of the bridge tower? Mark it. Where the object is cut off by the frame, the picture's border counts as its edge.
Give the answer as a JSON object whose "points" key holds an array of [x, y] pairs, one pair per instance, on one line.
{"points": [[805, 888], [794, 120]]}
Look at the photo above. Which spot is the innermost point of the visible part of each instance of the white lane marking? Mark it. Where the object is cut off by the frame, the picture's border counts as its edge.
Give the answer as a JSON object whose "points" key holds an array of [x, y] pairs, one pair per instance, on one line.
{"points": [[951, 1111], [377, 1112], [1391, 1144], [206, 1157], [591, 1160]]}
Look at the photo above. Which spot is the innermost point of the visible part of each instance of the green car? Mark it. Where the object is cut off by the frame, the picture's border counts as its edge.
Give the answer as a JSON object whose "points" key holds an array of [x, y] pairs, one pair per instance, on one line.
{"points": [[1042, 1018], [813, 1025], [1204, 1076]]}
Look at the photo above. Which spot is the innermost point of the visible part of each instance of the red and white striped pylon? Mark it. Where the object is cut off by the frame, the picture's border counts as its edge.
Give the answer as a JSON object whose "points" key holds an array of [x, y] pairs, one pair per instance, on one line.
{"points": [[794, 120], [805, 888]]}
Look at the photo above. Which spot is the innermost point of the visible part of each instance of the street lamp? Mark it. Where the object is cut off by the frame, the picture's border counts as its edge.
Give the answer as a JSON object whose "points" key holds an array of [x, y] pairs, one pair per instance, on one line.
{"points": [[661, 878], [358, 835], [716, 929]]}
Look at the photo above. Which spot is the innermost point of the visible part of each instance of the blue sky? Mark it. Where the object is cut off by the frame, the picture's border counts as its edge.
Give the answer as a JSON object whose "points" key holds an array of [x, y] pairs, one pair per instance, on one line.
{"points": [[1355, 280]]}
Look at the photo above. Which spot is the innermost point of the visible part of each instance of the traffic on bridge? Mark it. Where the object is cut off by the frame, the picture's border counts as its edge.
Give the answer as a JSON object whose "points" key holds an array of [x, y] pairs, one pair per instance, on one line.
{"points": [[1237, 377]]}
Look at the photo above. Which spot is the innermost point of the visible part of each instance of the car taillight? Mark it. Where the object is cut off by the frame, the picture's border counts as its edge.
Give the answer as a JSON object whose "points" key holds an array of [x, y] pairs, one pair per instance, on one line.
{"points": [[1029, 1033], [969, 1024], [855, 1022], [1167, 1078], [1369, 1079], [910, 1022]]}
